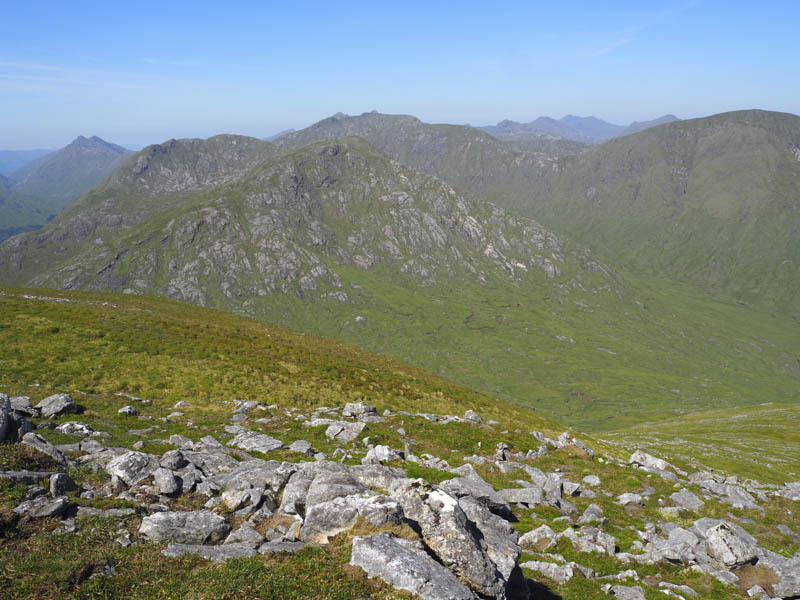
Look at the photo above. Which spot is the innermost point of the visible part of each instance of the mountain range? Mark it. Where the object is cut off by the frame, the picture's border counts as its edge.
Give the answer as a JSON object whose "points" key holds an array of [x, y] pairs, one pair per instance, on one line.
{"points": [[589, 130], [345, 237]]}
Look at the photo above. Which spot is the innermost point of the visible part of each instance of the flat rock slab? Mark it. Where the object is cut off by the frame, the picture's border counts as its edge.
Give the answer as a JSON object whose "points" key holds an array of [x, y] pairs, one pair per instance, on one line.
{"points": [[253, 441], [185, 527], [215, 553], [407, 567]]}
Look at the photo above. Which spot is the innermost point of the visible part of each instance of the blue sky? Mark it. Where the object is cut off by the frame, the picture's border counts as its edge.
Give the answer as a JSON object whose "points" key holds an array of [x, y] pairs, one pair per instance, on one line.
{"points": [[142, 72]]}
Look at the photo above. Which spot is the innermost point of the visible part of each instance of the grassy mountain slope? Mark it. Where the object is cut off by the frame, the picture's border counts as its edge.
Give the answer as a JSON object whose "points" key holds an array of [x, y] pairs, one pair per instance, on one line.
{"points": [[713, 201], [338, 240], [60, 177], [17, 212], [760, 441]]}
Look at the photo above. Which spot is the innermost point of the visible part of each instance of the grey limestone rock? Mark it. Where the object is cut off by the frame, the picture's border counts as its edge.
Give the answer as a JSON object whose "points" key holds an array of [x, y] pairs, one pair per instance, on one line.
{"points": [[472, 417], [358, 409], [57, 404], [407, 567], [729, 547], [254, 441], [540, 538], [215, 553], [37, 442], [166, 482], [625, 592], [186, 527], [132, 467], [245, 533], [686, 499], [60, 484], [326, 519], [344, 431], [448, 532]]}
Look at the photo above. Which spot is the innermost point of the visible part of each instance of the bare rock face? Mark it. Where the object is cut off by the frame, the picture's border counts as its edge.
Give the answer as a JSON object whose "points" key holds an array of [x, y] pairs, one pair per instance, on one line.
{"points": [[215, 553], [185, 527], [406, 566], [449, 533]]}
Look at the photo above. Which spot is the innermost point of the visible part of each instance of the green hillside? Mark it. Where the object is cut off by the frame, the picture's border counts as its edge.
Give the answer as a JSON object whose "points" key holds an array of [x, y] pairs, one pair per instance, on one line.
{"points": [[336, 239], [710, 201]]}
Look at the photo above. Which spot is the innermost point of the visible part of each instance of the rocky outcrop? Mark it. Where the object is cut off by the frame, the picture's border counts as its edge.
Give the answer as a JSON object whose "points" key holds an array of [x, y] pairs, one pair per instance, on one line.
{"points": [[186, 527]]}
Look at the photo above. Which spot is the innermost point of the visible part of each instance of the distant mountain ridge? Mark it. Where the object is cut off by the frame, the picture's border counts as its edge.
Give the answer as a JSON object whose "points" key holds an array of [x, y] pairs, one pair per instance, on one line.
{"points": [[13, 160], [589, 130], [60, 177]]}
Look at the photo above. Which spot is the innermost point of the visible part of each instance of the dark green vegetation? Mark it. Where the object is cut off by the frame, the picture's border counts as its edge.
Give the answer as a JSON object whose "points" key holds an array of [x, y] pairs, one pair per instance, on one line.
{"points": [[41, 188], [337, 240]]}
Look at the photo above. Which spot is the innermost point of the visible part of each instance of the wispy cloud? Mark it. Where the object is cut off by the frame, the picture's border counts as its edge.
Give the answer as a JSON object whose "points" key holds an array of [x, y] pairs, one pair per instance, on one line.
{"points": [[627, 35]]}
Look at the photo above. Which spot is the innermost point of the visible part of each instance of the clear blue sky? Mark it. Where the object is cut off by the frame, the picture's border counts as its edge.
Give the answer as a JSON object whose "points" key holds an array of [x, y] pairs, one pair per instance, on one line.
{"points": [[142, 72]]}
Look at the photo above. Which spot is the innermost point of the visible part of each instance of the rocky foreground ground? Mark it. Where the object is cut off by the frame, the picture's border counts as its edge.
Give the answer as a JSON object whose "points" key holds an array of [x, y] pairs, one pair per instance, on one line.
{"points": [[507, 522]]}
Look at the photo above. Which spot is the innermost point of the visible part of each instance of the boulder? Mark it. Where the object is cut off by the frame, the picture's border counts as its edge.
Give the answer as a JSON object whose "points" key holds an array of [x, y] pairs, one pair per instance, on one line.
{"points": [[499, 535], [686, 499], [253, 441], [60, 484], [326, 519], [75, 428], [303, 447], [166, 482], [21, 405], [646, 460], [561, 574], [449, 534], [281, 547], [132, 467], [255, 473], [625, 592], [540, 538], [472, 417], [728, 546], [381, 454], [38, 443], [358, 409], [406, 566], [474, 486], [245, 533], [344, 432], [57, 404], [186, 527], [629, 498]]}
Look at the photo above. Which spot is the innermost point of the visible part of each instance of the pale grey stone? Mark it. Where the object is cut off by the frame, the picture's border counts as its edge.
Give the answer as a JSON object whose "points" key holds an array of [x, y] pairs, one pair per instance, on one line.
{"points": [[254, 441], [57, 404], [407, 567], [326, 519], [186, 527], [132, 467], [215, 553]]}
